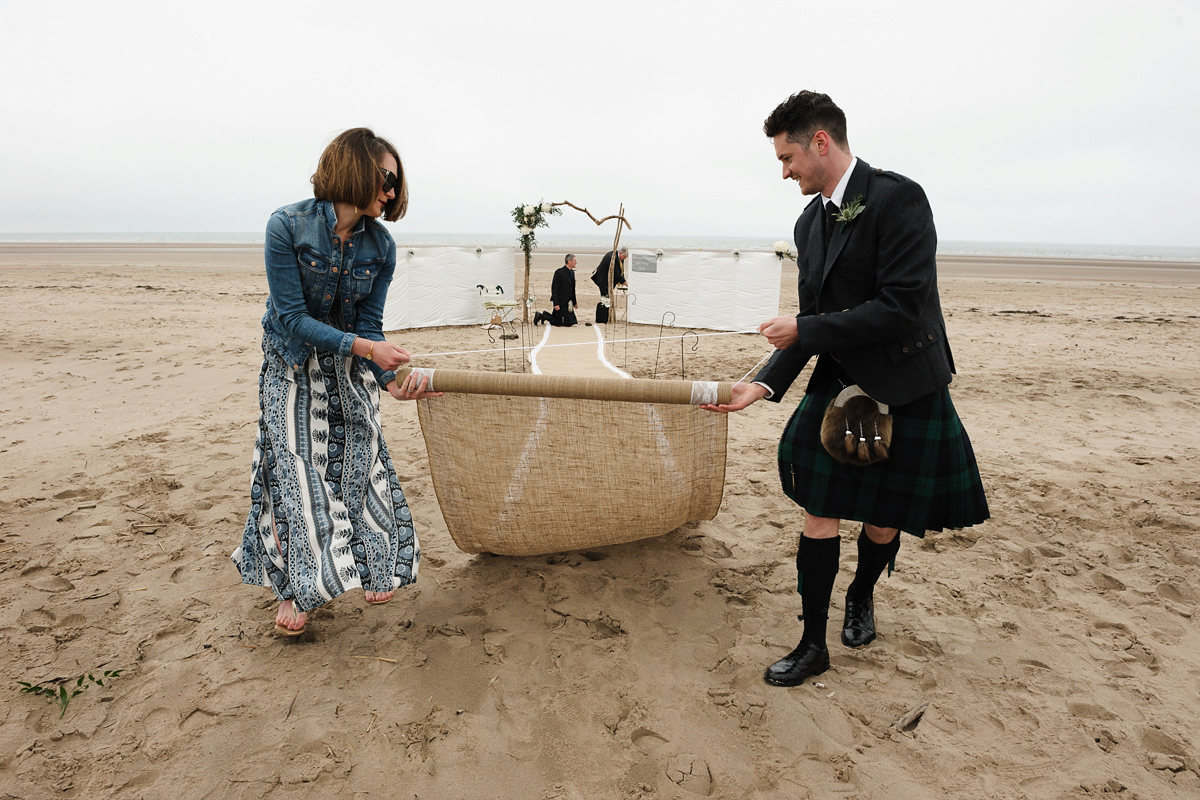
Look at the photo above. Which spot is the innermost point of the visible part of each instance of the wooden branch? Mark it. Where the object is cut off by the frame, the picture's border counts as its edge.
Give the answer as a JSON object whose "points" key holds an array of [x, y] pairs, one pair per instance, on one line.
{"points": [[910, 718], [619, 216]]}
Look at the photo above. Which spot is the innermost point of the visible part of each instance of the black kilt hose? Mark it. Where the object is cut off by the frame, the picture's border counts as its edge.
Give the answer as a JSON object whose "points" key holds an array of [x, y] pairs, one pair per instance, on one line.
{"points": [[929, 482]]}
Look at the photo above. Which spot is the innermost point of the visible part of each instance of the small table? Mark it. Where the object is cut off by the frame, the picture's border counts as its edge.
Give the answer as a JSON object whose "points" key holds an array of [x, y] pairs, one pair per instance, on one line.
{"points": [[500, 312]]}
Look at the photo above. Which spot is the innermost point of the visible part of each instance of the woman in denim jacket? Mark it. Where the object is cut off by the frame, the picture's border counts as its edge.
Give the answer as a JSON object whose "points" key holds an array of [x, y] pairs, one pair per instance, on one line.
{"points": [[327, 512]]}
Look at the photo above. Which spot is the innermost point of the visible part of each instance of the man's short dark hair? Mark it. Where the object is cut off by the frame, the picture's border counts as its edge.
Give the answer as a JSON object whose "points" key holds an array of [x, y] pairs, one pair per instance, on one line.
{"points": [[805, 113]]}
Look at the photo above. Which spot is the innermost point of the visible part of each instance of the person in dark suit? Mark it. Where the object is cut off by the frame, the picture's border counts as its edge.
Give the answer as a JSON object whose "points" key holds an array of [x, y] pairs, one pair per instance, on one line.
{"points": [[871, 315], [562, 294], [600, 278]]}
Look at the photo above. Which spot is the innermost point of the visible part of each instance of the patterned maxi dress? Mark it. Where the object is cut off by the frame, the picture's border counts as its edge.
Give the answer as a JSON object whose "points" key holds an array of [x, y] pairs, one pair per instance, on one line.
{"points": [[324, 483]]}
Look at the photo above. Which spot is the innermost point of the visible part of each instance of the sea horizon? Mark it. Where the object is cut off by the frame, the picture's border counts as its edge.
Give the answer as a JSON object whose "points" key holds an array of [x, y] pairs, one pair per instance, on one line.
{"points": [[646, 241]]}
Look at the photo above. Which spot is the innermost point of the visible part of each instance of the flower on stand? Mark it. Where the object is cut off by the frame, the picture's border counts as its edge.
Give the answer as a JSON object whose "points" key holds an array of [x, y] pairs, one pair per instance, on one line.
{"points": [[783, 249], [528, 218]]}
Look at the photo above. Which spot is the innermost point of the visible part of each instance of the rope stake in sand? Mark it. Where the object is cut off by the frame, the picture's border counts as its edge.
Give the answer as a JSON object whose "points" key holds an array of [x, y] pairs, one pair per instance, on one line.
{"points": [[577, 344]]}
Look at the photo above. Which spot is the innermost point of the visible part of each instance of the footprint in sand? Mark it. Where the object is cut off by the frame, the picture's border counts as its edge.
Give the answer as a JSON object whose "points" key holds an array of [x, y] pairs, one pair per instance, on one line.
{"points": [[52, 584], [37, 620], [691, 773], [706, 545], [1090, 711], [161, 726]]}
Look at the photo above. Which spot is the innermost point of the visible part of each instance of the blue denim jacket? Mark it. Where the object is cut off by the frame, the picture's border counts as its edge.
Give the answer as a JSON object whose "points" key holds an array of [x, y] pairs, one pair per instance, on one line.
{"points": [[307, 267]]}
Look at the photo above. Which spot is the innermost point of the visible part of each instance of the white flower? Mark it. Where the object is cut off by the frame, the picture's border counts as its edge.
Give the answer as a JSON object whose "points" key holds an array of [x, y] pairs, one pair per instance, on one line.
{"points": [[526, 230], [783, 249], [529, 211], [547, 207]]}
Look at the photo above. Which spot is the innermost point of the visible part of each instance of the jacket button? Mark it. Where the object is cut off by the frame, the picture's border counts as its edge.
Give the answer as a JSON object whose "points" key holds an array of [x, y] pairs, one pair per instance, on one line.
{"points": [[335, 270], [930, 337], [903, 349], [326, 297], [312, 263], [919, 344]]}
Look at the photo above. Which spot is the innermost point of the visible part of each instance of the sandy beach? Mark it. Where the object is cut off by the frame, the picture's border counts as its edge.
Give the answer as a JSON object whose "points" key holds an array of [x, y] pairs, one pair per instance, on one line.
{"points": [[1057, 646]]}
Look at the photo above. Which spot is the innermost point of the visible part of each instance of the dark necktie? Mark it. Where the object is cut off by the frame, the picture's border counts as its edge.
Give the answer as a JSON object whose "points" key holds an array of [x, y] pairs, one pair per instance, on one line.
{"points": [[831, 211]]}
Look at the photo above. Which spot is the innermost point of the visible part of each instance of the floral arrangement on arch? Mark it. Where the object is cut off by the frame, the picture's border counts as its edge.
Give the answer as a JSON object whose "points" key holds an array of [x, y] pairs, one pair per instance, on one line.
{"points": [[528, 219], [783, 249]]}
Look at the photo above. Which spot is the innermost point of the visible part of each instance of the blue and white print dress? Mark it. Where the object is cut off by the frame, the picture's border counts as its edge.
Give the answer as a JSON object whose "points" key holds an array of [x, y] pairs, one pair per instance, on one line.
{"points": [[323, 486]]}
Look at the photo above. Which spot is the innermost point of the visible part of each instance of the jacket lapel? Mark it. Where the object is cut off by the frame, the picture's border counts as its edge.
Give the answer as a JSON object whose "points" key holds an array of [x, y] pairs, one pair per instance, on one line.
{"points": [[856, 187], [815, 251]]}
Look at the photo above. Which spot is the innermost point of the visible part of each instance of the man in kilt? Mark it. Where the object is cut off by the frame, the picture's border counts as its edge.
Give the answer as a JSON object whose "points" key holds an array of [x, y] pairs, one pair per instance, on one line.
{"points": [[870, 313]]}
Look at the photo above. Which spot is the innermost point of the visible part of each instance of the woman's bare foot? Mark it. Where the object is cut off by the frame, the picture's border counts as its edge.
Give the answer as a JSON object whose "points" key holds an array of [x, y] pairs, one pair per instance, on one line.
{"points": [[379, 598], [289, 621]]}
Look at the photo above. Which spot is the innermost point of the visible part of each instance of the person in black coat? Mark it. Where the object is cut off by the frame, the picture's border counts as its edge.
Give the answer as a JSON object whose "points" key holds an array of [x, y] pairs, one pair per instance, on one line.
{"points": [[870, 314], [600, 278], [562, 294]]}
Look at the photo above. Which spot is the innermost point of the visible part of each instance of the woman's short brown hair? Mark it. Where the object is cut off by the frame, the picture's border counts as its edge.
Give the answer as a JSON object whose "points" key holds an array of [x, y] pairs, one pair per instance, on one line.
{"points": [[348, 172]]}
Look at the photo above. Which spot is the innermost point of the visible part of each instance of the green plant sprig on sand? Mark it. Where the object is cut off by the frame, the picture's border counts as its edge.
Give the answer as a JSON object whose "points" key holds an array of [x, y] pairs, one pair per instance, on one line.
{"points": [[60, 694]]}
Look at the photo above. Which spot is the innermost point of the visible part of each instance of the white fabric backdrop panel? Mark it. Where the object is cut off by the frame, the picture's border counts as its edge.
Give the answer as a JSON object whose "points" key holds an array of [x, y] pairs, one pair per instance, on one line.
{"points": [[716, 290], [440, 285]]}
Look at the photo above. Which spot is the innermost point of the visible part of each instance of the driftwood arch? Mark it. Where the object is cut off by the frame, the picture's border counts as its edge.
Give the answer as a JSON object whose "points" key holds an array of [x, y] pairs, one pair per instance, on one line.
{"points": [[621, 221]]}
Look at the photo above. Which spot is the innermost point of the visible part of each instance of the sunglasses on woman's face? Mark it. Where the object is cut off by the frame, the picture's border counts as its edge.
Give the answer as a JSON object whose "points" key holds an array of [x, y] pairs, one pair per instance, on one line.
{"points": [[389, 180]]}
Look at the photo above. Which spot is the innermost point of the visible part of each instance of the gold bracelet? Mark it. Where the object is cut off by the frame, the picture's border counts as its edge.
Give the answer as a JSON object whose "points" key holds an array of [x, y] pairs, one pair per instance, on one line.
{"points": [[370, 351]]}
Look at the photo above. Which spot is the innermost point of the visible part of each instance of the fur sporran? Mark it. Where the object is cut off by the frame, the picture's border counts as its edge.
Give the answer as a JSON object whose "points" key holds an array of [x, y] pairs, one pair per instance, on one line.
{"points": [[856, 429]]}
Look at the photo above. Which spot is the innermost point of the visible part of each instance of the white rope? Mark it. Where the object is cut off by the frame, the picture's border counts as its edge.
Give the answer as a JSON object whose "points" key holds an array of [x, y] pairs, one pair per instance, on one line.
{"points": [[578, 344], [756, 366]]}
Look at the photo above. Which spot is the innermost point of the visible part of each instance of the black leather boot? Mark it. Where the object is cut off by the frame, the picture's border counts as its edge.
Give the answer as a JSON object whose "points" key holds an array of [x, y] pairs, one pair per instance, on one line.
{"points": [[816, 565]]}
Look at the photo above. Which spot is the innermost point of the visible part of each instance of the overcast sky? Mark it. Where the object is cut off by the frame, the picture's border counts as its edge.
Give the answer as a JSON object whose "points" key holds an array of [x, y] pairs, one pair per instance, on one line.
{"points": [[1044, 121]]}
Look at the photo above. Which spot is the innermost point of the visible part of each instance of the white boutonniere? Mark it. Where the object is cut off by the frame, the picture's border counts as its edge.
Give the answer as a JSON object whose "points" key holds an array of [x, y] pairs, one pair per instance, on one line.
{"points": [[849, 212]]}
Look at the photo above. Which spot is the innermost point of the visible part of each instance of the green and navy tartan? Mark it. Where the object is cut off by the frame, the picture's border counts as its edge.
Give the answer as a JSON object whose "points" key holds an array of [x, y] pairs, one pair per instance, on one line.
{"points": [[929, 482]]}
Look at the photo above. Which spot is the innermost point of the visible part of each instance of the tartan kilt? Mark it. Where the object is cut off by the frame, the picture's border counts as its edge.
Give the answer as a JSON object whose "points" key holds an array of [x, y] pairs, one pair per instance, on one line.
{"points": [[929, 482]]}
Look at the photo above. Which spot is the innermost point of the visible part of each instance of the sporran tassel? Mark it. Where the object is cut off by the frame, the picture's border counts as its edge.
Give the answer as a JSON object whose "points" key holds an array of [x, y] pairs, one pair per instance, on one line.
{"points": [[864, 452], [844, 428]]}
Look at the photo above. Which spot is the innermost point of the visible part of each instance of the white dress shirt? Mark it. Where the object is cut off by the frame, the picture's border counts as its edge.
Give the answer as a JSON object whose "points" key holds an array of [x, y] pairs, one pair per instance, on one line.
{"points": [[839, 192]]}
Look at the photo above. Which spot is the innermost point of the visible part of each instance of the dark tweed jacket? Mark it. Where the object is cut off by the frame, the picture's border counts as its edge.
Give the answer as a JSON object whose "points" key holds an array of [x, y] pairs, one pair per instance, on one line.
{"points": [[870, 301]]}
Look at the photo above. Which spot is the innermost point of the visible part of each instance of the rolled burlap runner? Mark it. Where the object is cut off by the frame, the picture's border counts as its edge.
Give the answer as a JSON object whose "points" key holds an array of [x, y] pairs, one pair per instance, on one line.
{"points": [[634, 390]]}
